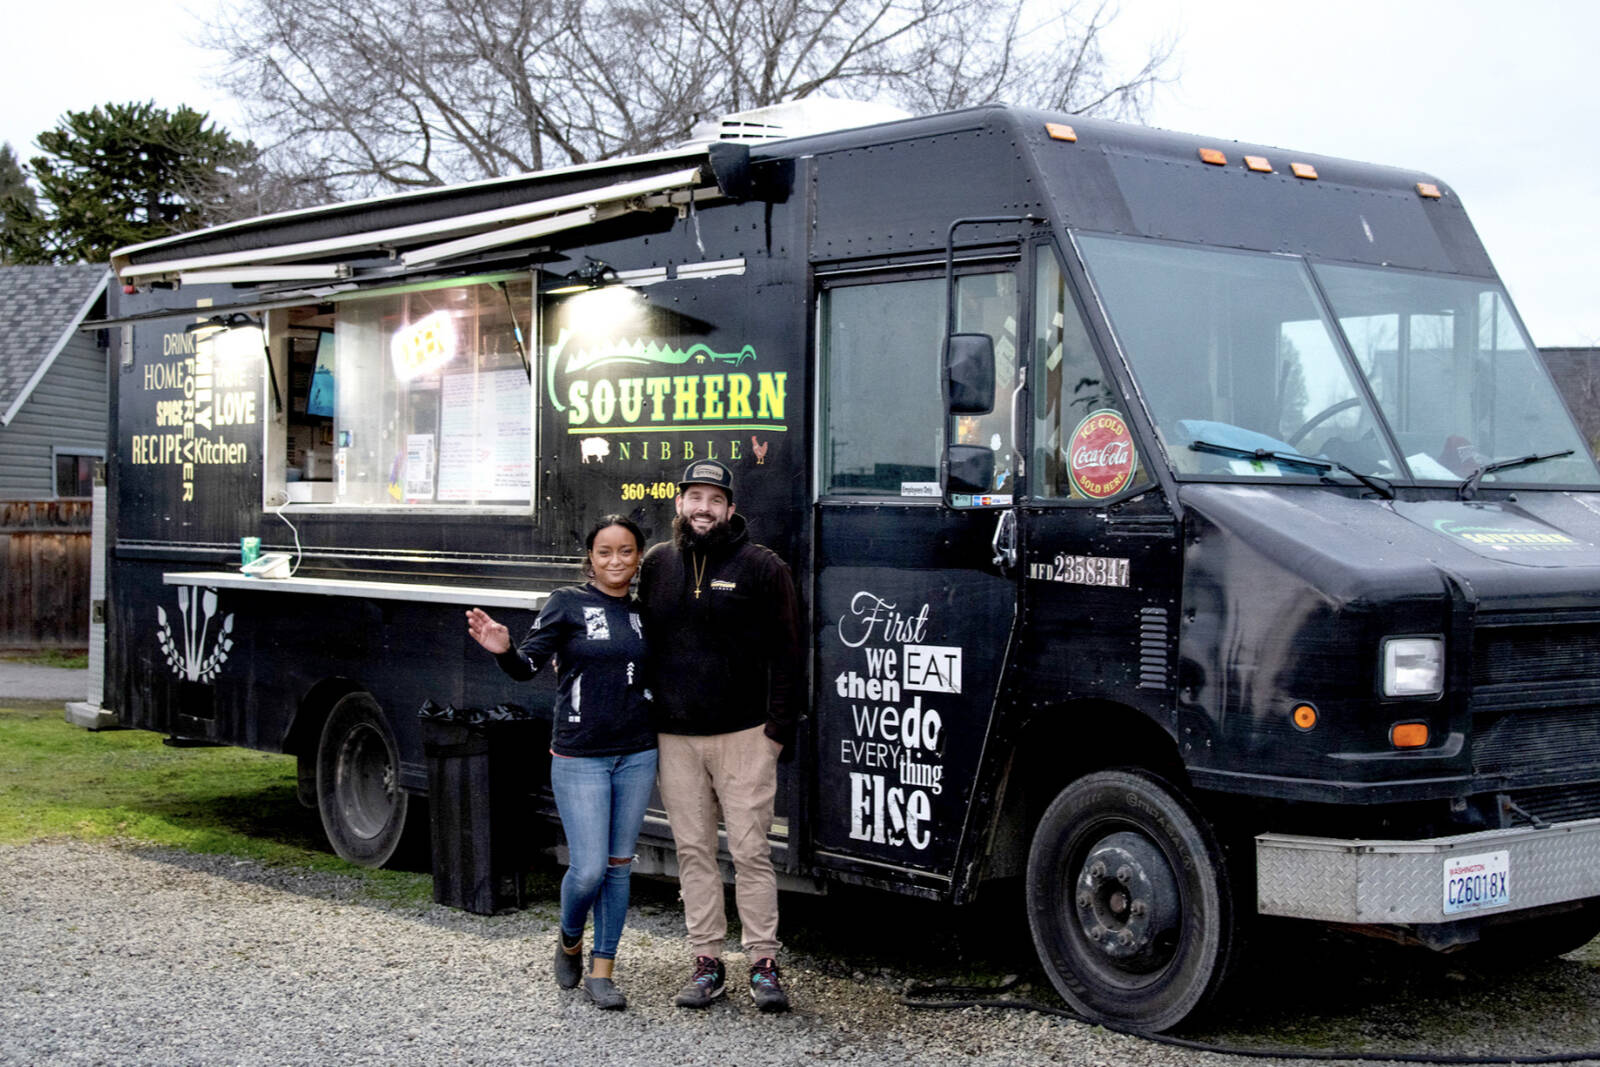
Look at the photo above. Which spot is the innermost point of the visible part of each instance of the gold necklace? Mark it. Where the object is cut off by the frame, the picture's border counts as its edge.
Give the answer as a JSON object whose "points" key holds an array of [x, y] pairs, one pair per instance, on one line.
{"points": [[699, 573]]}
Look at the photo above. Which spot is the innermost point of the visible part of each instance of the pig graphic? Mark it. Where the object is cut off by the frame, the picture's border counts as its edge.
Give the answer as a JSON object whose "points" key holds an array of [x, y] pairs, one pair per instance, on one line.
{"points": [[598, 447]]}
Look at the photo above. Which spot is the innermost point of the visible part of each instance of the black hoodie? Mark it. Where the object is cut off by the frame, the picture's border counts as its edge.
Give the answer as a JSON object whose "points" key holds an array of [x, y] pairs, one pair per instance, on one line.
{"points": [[728, 659]]}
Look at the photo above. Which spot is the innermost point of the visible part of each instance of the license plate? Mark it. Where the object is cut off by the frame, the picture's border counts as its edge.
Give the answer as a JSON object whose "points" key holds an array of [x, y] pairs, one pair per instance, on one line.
{"points": [[1472, 883]]}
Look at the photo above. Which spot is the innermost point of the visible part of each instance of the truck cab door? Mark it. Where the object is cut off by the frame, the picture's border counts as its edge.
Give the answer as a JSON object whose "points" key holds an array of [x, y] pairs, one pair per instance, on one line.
{"points": [[1100, 557], [913, 616]]}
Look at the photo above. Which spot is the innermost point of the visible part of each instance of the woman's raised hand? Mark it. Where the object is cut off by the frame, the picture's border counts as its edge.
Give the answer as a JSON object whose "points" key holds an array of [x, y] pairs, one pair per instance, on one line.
{"points": [[488, 633]]}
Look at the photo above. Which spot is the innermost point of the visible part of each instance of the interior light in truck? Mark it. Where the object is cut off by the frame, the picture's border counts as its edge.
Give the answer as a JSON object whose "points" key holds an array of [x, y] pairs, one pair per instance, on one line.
{"points": [[424, 346]]}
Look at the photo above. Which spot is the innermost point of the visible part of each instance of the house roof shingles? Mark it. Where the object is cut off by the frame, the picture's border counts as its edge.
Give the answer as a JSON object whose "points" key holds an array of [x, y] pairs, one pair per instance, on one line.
{"points": [[38, 307]]}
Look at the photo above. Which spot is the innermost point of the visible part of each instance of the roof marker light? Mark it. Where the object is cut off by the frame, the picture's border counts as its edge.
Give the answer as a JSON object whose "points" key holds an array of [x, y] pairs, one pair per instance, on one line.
{"points": [[1214, 157], [1060, 131], [1429, 190], [1303, 170], [1258, 163]]}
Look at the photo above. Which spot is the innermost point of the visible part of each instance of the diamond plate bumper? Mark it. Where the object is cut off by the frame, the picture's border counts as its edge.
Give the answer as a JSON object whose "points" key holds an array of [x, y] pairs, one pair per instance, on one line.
{"points": [[1357, 881]]}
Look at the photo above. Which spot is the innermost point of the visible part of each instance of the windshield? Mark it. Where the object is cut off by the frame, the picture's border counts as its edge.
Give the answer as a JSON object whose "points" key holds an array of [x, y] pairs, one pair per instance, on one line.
{"points": [[1242, 370], [1232, 352], [1457, 381]]}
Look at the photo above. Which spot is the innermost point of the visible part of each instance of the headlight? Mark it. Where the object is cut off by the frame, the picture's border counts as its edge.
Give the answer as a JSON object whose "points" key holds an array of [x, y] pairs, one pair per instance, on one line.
{"points": [[1413, 666]]}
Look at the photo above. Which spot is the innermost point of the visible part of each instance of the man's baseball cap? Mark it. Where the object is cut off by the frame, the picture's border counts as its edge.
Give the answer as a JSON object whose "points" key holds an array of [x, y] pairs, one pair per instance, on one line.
{"points": [[708, 472]]}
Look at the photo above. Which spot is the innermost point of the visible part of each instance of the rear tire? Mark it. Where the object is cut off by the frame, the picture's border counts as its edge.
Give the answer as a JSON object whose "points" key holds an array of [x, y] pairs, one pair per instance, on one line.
{"points": [[1129, 901], [364, 810]]}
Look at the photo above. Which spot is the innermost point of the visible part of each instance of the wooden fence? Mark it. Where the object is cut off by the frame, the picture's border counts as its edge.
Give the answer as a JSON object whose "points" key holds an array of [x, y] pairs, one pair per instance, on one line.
{"points": [[44, 573]]}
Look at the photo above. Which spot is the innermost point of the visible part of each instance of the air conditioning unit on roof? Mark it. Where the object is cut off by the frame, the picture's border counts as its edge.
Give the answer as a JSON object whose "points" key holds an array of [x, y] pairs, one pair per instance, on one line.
{"points": [[794, 118]]}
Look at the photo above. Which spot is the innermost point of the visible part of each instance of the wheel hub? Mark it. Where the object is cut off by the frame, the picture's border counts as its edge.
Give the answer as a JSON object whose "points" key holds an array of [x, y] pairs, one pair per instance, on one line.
{"points": [[366, 783], [1127, 897]]}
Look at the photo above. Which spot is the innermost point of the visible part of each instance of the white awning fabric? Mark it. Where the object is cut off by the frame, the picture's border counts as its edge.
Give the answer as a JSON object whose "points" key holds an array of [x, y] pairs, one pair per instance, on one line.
{"points": [[465, 233]]}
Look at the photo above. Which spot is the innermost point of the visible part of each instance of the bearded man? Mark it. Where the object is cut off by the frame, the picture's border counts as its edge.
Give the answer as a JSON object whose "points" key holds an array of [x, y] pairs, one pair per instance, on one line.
{"points": [[722, 621]]}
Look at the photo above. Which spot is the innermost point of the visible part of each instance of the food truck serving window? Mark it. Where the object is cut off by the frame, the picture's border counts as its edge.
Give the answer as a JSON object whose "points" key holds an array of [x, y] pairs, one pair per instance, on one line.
{"points": [[416, 397]]}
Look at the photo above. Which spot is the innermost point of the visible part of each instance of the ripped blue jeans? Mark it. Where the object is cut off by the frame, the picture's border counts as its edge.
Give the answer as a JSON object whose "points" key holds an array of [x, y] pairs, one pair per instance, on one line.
{"points": [[602, 800]]}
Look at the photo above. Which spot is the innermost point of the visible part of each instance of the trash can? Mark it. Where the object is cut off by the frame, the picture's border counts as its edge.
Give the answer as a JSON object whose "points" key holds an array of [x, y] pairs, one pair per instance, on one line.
{"points": [[480, 761]]}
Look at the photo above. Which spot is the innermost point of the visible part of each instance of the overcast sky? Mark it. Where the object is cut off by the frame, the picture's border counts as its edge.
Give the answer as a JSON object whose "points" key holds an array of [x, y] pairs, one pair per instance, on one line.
{"points": [[1497, 99]]}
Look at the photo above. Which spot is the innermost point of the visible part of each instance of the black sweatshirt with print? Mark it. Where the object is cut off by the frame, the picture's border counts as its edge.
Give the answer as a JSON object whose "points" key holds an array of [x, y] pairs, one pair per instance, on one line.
{"points": [[602, 703]]}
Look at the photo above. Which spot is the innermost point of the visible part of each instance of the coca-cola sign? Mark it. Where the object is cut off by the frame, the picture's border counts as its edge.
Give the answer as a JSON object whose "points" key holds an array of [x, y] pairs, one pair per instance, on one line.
{"points": [[1101, 457]]}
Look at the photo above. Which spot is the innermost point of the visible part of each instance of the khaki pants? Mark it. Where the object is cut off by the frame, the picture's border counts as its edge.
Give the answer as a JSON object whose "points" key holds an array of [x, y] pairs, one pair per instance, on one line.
{"points": [[739, 771]]}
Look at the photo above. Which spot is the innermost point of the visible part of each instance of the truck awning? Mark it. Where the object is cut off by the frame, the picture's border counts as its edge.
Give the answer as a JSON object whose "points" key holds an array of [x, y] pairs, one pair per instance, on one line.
{"points": [[424, 243]]}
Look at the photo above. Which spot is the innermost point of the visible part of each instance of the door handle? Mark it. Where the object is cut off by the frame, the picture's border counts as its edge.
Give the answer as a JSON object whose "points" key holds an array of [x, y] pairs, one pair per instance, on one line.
{"points": [[1004, 541]]}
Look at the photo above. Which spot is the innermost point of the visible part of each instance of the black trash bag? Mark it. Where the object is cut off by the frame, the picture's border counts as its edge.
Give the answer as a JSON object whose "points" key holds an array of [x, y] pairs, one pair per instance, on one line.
{"points": [[478, 763]]}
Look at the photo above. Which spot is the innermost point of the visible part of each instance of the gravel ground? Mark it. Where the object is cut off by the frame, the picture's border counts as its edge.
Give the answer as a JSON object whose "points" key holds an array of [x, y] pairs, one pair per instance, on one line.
{"points": [[137, 956]]}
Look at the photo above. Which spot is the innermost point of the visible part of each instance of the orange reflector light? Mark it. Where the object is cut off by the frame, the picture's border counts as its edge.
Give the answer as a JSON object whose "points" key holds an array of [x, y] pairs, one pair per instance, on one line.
{"points": [[1305, 716], [1429, 190], [1060, 131], [1408, 734], [1214, 157], [1303, 170], [1258, 163]]}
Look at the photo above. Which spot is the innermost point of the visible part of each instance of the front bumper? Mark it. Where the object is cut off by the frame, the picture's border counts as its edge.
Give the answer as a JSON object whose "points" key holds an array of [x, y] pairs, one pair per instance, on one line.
{"points": [[1402, 882]]}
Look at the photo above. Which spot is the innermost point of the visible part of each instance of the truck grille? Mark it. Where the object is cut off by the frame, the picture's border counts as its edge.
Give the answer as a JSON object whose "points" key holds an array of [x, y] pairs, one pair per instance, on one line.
{"points": [[1521, 743], [1563, 804], [1536, 697], [1534, 653]]}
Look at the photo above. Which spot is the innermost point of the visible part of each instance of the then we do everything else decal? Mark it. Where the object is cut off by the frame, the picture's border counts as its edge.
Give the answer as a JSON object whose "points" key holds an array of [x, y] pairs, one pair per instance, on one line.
{"points": [[894, 683]]}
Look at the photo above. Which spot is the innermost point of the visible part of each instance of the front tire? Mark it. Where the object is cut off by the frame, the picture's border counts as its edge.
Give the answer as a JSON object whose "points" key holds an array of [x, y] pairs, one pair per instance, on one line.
{"points": [[1129, 901], [363, 808]]}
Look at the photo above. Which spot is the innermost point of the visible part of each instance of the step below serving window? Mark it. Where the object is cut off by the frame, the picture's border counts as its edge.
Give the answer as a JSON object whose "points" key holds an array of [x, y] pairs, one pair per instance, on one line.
{"points": [[416, 397]]}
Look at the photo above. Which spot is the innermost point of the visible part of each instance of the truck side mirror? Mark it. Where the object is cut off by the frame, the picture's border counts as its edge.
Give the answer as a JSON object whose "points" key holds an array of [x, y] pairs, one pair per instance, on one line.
{"points": [[969, 373], [970, 469]]}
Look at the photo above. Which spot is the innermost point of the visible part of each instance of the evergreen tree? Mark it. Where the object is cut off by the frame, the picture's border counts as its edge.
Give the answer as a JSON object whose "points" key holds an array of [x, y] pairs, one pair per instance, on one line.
{"points": [[16, 197], [121, 174]]}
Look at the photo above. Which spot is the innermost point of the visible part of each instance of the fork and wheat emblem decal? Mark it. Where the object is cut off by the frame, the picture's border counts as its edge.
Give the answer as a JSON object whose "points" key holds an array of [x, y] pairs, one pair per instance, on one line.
{"points": [[192, 662]]}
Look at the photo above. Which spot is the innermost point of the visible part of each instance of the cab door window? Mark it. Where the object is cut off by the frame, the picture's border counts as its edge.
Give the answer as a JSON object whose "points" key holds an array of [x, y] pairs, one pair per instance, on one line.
{"points": [[1083, 446], [883, 415]]}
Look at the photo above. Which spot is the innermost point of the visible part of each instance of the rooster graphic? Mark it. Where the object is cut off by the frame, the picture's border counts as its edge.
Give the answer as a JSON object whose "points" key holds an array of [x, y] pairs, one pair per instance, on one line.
{"points": [[760, 449]]}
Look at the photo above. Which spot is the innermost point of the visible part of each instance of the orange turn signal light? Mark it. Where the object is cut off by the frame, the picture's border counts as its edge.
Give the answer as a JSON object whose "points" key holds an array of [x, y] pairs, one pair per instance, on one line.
{"points": [[1258, 163], [1304, 716], [1214, 157], [1408, 734], [1429, 190], [1060, 131]]}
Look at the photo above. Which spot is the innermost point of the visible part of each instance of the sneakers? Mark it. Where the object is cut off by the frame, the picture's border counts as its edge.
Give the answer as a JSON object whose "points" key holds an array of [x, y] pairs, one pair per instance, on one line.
{"points": [[605, 994], [569, 966], [704, 986], [765, 988]]}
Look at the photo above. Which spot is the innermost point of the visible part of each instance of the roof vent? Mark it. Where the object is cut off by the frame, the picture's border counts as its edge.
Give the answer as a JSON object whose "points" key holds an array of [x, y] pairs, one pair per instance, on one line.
{"points": [[794, 118]]}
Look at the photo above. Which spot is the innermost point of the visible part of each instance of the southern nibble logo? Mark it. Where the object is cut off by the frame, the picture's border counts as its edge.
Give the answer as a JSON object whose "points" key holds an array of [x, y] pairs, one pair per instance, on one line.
{"points": [[702, 389]]}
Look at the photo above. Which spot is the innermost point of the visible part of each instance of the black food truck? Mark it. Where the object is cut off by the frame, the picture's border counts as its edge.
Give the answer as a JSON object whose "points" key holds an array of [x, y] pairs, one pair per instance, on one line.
{"points": [[1186, 528]]}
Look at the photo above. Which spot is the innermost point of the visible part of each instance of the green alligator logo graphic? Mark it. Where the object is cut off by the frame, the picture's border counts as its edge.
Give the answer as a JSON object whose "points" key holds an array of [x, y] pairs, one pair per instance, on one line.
{"points": [[636, 352]]}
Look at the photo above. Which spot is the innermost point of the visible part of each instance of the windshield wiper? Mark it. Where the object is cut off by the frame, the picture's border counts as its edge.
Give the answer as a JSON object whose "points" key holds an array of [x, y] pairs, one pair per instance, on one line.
{"points": [[1469, 488], [1293, 459]]}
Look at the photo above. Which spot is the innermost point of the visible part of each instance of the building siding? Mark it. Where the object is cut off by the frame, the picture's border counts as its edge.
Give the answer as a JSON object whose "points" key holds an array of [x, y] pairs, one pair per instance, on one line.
{"points": [[66, 411]]}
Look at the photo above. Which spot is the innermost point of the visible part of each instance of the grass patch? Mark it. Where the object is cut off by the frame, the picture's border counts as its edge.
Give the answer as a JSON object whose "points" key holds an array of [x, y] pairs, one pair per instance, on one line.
{"points": [[57, 780], [71, 659]]}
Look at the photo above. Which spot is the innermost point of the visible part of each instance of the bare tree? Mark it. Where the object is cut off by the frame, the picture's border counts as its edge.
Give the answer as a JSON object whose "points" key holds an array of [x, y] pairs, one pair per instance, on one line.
{"points": [[373, 95]]}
